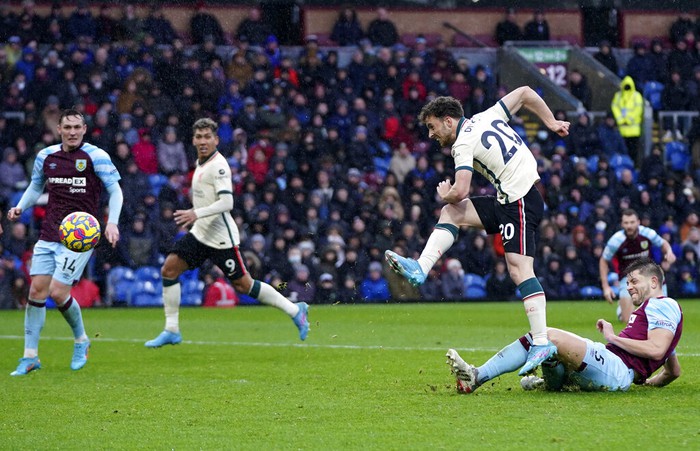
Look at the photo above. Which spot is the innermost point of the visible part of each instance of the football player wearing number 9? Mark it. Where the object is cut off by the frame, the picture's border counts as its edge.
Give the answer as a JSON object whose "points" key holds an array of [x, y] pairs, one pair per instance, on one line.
{"points": [[647, 343], [214, 235], [485, 143], [73, 173]]}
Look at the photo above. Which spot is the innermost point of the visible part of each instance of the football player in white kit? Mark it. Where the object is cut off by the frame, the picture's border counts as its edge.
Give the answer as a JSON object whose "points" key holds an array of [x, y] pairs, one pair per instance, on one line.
{"points": [[485, 143], [214, 235]]}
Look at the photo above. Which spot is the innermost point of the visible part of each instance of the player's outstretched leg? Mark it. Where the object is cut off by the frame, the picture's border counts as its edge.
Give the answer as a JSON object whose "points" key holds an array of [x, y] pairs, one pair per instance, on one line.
{"points": [[406, 267], [301, 320], [165, 338], [26, 364], [536, 355], [465, 373]]}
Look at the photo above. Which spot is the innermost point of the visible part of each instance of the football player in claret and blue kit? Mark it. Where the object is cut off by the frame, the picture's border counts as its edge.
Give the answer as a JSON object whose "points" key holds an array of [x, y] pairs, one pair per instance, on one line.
{"points": [[73, 173]]}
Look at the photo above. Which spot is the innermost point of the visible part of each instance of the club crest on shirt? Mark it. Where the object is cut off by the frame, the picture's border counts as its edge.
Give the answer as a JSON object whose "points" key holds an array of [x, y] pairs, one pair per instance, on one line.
{"points": [[80, 165], [645, 245]]}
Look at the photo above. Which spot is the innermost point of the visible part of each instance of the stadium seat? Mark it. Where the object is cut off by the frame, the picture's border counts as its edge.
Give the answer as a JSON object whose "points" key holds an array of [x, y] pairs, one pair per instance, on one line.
{"points": [[652, 92], [474, 286], [475, 292], [591, 292], [192, 291], [146, 294], [157, 181], [592, 164], [147, 274], [677, 156], [619, 161], [120, 284]]}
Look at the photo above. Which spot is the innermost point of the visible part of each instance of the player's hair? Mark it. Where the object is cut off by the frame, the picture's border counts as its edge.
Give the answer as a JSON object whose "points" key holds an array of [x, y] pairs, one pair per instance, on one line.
{"points": [[204, 123], [646, 267], [442, 107], [71, 112], [629, 212]]}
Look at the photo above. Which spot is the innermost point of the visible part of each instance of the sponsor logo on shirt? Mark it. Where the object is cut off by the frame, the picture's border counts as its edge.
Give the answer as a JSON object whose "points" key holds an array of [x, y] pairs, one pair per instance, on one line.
{"points": [[77, 184]]}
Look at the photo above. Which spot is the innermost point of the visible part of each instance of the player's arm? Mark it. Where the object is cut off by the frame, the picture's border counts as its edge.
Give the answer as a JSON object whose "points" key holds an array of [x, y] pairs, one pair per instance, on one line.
{"points": [[666, 248], [604, 269], [456, 193], [116, 201], [654, 347], [223, 204], [524, 96], [668, 373], [28, 199]]}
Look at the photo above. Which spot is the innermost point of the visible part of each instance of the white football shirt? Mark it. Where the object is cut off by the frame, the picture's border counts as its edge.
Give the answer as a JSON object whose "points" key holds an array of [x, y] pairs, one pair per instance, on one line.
{"points": [[487, 144], [212, 179]]}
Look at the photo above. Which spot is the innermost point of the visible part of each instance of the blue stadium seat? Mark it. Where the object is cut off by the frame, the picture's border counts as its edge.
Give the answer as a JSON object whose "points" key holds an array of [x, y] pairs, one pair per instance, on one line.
{"points": [[148, 274], [475, 292], [146, 294], [591, 292], [192, 291], [619, 161], [120, 284], [592, 164], [157, 181], [677, 156], [653, 90], [474, 286]]}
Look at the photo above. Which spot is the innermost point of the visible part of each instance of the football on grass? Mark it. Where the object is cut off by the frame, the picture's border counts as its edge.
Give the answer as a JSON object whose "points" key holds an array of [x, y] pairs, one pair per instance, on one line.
{"points": [[79, 231]]}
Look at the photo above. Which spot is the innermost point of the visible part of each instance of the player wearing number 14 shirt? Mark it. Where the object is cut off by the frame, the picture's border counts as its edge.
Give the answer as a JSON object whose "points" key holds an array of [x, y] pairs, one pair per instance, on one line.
{"points": [[487, 144], [214, 235]]}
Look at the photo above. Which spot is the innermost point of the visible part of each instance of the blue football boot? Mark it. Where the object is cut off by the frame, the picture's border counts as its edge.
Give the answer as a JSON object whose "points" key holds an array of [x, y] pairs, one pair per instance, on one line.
{"points": [[80, 355], [536, 355], [26, 364], [301, 320], [165, 338], [406, 267]]}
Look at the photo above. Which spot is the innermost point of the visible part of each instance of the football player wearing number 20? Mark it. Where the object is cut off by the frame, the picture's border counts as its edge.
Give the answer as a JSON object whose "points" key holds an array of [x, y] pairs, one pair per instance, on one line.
{"points": [[487, 144]]}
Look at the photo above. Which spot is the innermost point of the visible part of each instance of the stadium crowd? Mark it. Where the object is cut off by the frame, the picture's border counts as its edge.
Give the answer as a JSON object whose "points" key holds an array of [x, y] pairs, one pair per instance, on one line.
{"points": [[329, 163]]}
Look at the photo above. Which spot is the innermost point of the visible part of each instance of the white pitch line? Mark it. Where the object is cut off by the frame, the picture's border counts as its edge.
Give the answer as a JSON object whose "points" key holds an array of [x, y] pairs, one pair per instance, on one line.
{"points": [[287, 345]]}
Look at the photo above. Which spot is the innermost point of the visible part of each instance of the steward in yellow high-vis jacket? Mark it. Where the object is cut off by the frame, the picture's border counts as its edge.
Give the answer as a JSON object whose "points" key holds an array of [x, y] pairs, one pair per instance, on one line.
{"points": [[628, 108]]}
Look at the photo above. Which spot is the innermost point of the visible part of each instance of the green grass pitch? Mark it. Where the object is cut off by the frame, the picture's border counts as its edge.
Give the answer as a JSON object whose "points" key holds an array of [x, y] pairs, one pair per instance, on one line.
{"points": [[368, 377]]}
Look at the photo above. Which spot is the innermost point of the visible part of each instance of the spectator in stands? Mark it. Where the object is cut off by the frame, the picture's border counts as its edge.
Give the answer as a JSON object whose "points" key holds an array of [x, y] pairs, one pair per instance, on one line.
{"points": [[499, 285], [683, 25], [452, 280], [681, 59], [171, 153], [584, 137], [138, 245], [81, 22], [382, 31], [158, 26], [254, 28], [628, 108], [675, 97], [8, 22], [347, 29], [537, 29], [611, 141], [203, 24], [606, 57], [508, 29], [130, 25], [13, 178], [641, 67], [375, 287], [578, 86], [659, 59]]}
